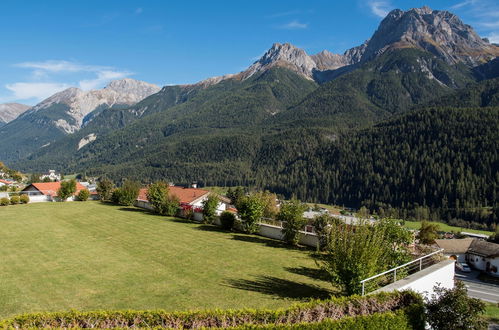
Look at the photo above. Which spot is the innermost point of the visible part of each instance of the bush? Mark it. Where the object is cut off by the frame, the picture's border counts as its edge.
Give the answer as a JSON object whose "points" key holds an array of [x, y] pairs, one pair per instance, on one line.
{"points": [[161, 200], [4, 201], [396, 310], [453, 309], [83, 195], [251, 209], [15, 200], [227, 220], [105, 189], [127, 194], [24, 199], [210, 208], [67, 189], [291, 215]]}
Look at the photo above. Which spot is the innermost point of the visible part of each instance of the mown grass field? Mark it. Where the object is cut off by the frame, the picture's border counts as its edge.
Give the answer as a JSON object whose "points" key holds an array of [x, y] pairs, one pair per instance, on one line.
{"points": [[445, 227], [88, 256]]}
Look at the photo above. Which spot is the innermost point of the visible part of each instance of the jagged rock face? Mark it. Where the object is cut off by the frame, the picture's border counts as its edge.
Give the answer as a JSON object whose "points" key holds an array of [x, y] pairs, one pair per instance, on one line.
{"points": [[285, 55], [10, 111], [78, 104], [326, 60], [439, 32]]}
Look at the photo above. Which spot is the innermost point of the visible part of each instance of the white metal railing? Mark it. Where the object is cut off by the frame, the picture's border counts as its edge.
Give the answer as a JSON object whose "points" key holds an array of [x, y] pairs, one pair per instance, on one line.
{"points": [[417, 262]]}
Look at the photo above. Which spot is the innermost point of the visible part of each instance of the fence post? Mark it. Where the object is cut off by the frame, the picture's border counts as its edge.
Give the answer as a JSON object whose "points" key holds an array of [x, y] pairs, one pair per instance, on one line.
{"points": [[363, 288], [395, 275], [420, 264]]}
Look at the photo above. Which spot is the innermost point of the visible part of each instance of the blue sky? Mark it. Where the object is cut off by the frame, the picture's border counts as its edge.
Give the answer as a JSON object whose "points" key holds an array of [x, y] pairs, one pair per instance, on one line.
{"points": [[48, 46]]}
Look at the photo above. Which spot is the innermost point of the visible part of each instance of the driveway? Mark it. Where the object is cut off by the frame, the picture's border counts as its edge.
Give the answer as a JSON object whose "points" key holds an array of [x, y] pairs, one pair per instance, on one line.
{"points": [[476, 288]]}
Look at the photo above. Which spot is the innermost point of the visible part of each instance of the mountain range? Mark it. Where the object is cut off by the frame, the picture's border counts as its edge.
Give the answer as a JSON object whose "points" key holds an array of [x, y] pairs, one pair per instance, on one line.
{"points": [[300, 124]]}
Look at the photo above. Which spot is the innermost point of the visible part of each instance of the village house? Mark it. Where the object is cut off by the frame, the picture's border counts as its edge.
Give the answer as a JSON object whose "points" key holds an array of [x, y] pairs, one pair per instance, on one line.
{"points": [[51, 175], [6, 183], [47, 191], [479, 254], [190, 198]]}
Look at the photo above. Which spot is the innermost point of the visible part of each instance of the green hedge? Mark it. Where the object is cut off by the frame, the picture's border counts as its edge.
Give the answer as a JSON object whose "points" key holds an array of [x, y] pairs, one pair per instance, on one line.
{"points": [[382, 311]]}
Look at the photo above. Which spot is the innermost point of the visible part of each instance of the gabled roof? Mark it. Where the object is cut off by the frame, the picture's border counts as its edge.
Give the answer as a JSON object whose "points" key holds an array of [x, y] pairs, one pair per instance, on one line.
{"points": [[457, 246], [484, 248], [6, 181], [185, 195], [51, 188]]}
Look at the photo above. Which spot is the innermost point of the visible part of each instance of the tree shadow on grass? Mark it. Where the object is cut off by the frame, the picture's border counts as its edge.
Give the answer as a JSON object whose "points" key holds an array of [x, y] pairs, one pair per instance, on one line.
{"points": [[211, 228], [313, 273], [134, 209], [266, 241], [281, 288]]}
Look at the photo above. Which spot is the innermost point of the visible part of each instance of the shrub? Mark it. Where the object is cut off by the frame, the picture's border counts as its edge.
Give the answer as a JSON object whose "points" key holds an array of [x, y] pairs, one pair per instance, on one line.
{"points": [[227, 220], [160, 199], [128, 193], [83, 195], [291, 214], [15, 200], [396, 310], [105, 189], [24, 199], [251, 210], [67, 189], [453, 309], [4, 201], [210, 208], [116, 196]]}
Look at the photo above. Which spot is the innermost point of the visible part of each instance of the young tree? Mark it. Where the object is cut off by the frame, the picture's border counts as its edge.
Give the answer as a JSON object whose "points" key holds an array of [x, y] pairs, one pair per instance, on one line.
{"points": [[83, 195], [235, 195], [4, 201], [453, 309], [67, 189], [209, 208], [105, 189], [250, 210], [160, 199], [269, 200], [128, 193], [428, 233], [354, 253], [322, 227], [291, 214]]}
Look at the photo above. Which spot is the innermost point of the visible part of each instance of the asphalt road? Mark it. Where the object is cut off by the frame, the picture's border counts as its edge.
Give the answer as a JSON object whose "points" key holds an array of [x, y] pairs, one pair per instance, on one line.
{"points": [[476, 289]]}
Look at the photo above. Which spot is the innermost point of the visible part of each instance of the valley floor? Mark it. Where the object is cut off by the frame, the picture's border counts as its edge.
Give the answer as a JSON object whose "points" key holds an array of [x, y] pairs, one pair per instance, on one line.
{"points": [[89, 255]]}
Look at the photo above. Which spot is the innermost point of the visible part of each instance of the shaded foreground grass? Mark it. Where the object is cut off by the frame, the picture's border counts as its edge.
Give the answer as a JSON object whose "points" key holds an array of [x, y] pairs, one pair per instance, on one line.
{"points": [[88, 256]]}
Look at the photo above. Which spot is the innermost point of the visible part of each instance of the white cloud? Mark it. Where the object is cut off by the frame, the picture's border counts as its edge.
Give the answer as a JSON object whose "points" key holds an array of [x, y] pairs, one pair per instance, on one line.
{"points": [[294, 25], [380, 8], [34, 90], [494, 37], [50, 77], [102, 78], [462, 4]]}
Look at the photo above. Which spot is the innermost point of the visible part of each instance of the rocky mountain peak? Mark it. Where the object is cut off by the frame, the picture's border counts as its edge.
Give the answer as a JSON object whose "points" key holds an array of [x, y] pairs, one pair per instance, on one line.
{"points": [[128, 85], [437, 31], [285, 55], [10, 111]]}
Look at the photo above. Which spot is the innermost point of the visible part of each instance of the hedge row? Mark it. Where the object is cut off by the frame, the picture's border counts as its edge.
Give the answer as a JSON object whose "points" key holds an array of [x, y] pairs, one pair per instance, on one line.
{"points": [[382, 311]]}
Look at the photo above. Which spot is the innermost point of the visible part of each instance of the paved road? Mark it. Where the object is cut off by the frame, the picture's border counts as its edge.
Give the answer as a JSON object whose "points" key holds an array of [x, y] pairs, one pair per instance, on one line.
{"points": [[477, 289]]}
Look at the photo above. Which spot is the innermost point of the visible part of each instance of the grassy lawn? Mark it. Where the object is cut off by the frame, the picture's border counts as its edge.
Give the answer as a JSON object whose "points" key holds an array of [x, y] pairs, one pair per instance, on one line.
{"points": [[87, 256], [492, 313], [445, 227]]}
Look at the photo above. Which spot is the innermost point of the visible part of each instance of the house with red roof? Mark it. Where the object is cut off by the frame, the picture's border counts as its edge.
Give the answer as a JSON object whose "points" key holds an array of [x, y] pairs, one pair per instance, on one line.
{"points": [[190, 198], [47, 191], [6, 183]]}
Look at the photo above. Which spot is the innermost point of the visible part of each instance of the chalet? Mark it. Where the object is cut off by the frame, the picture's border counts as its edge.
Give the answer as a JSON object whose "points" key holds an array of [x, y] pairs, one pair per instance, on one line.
{"points": [[484, 256], [455, 248], [47, 191], [479, 254], [190, 198]]}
